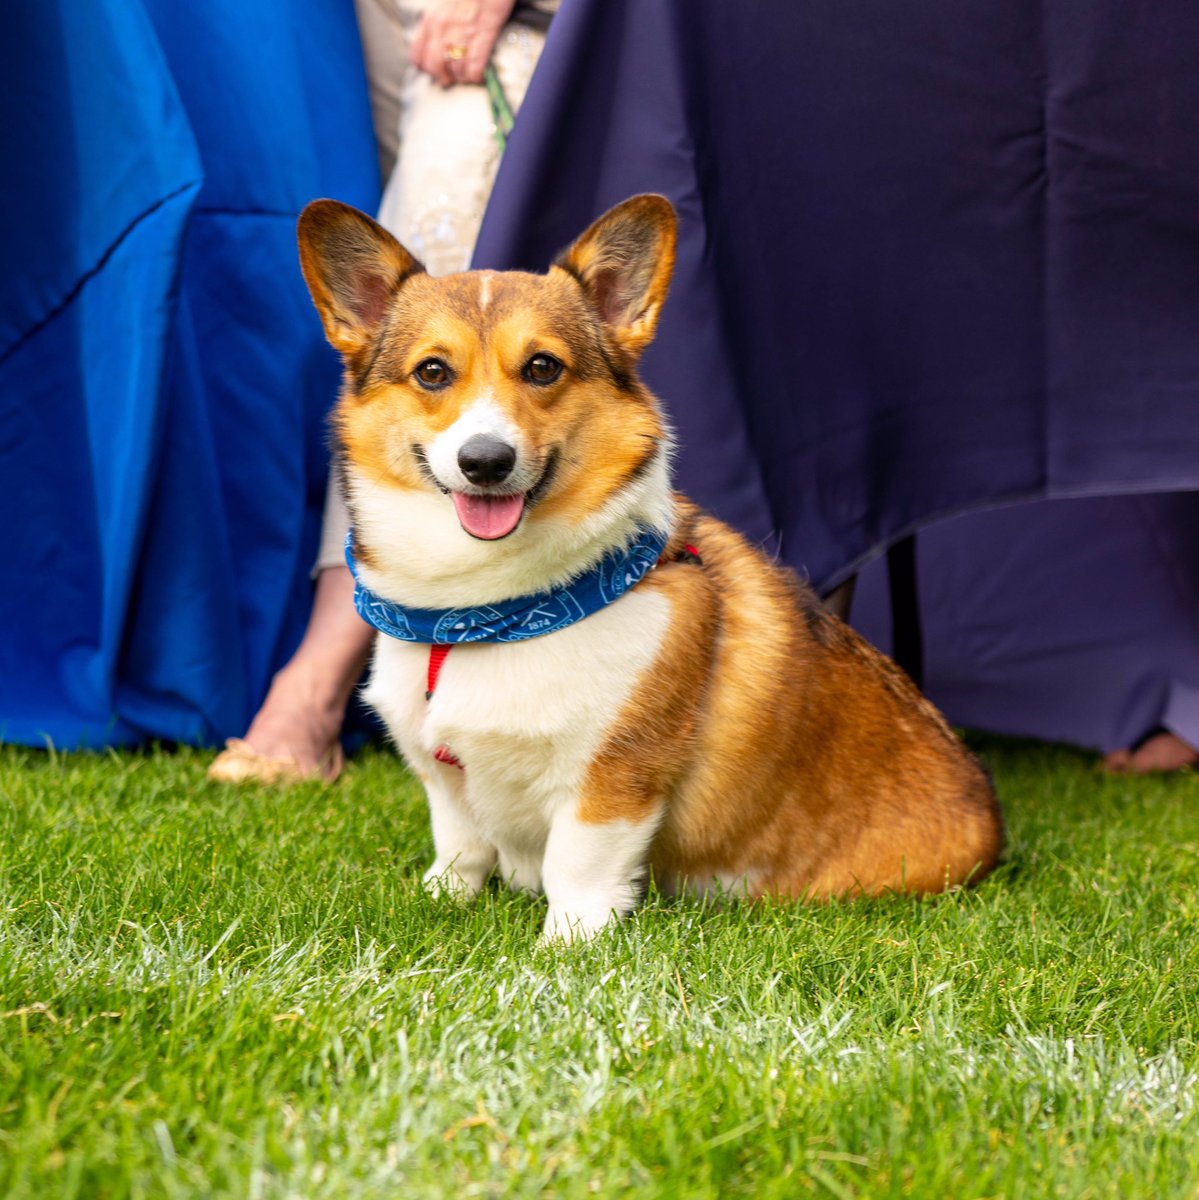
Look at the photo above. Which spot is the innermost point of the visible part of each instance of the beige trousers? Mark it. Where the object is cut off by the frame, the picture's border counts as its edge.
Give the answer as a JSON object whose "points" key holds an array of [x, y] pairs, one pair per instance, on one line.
{"points": [[439, 155]]}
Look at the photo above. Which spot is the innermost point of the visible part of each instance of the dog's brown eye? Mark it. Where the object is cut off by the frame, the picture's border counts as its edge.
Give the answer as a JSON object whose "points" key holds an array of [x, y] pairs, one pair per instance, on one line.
{"points": [[432, 374], [542, 368]]}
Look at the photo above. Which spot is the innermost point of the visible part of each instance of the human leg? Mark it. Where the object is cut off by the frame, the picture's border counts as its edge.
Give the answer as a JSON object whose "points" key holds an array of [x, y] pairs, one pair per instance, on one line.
{"points": [[295, 733], [434, 203]]}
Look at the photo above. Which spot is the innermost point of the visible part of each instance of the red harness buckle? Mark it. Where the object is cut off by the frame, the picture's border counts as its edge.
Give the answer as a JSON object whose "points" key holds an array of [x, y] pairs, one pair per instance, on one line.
{"points": [[444, 754]]}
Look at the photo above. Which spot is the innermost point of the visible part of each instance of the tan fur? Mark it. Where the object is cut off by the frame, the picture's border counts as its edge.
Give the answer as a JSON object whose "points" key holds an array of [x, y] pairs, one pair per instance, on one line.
{"points": [[792, 748], [769, 739]]}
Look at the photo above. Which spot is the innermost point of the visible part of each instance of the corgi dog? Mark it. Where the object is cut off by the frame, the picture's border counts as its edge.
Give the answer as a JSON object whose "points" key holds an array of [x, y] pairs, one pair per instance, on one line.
{"points": [[633, 688]]}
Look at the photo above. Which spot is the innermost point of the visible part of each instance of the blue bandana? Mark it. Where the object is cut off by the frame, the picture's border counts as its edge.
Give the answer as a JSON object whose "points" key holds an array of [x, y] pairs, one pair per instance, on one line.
{"points": [[518, 619]]}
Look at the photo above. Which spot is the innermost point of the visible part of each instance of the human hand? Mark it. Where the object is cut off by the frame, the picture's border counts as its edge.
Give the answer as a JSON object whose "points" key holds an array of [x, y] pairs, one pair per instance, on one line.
{"points": [[454, 39]]}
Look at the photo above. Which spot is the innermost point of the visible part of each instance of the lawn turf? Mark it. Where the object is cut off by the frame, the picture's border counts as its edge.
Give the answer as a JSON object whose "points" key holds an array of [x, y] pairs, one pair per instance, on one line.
{"points": [[207, 991]]}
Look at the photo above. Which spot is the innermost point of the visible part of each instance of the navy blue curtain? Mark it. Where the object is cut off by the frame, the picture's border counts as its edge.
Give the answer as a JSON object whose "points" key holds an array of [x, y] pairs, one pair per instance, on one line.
{"points": [[163, 377], [934, 257]]}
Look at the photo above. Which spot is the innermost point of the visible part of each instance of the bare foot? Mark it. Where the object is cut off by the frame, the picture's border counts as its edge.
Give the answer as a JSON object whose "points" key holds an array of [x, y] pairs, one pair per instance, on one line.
{"points": [[1163, 751], [300, 720], [296, 732]]}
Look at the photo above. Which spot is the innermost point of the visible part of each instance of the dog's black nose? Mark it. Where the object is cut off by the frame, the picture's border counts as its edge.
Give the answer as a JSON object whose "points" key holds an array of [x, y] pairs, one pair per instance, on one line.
{"points": [[485, 459]]}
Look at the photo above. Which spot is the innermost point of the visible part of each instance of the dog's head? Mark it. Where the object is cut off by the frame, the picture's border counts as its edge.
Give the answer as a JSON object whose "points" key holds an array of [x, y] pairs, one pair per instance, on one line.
{"points": [[509, 400]]}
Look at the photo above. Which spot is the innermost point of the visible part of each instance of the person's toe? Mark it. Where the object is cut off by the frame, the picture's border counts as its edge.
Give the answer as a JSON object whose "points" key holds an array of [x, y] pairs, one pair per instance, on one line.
{"points": [[1118, 762]]}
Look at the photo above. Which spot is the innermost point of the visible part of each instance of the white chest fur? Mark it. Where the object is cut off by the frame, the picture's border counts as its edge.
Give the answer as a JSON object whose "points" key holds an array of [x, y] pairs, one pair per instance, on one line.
{"points": [[526, 720]]}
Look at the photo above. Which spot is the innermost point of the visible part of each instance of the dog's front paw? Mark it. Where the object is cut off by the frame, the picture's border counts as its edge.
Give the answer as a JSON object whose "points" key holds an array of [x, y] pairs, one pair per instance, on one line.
{"points": [[448, 881], [566, 925]]}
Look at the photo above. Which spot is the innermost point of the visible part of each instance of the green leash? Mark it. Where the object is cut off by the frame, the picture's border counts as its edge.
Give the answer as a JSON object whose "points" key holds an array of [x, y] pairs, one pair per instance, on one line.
{"points": [[501, 110]]}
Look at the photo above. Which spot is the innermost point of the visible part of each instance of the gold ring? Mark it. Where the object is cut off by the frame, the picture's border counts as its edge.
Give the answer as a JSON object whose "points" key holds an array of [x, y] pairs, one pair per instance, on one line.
{"points": [[455, 53]]}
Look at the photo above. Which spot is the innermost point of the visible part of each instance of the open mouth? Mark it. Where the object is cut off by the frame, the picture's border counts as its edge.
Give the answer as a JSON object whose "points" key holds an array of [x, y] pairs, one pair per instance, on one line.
{"points": [[489, 517]]}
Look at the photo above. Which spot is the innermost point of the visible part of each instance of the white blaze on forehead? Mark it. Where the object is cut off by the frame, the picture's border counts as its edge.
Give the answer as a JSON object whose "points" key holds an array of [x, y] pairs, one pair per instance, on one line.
{"points": [[485, 417], [484, 290]]}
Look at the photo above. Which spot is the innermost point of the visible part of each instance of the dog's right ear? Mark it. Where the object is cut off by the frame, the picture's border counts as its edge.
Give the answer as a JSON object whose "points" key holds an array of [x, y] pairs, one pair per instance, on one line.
{"points": [[624, 262], [353, 267]]}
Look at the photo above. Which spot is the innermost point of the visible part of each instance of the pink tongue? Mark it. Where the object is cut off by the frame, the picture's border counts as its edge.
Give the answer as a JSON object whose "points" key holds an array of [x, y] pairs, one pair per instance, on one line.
{"points": [[489, 517]]}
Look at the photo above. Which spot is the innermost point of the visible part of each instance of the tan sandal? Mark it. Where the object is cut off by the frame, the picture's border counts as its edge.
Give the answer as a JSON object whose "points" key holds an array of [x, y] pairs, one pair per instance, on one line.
{"points": [[239, 762]]}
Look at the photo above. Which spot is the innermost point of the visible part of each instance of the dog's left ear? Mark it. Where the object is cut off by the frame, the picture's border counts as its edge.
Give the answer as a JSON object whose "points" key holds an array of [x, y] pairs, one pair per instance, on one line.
{"points": [[624, 262]]}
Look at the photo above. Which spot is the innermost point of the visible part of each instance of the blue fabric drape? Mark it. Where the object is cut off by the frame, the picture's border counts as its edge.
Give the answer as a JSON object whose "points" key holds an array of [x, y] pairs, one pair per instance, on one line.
{"points": [[163, 378]]}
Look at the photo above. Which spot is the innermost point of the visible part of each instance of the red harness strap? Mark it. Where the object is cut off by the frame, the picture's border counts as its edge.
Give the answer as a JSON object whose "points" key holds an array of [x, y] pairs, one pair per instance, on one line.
{"points": [[437, 657]]}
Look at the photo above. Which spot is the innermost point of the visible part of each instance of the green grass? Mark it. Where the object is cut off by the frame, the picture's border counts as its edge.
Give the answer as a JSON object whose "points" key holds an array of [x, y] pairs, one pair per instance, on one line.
{"points": [[213, 992]]}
